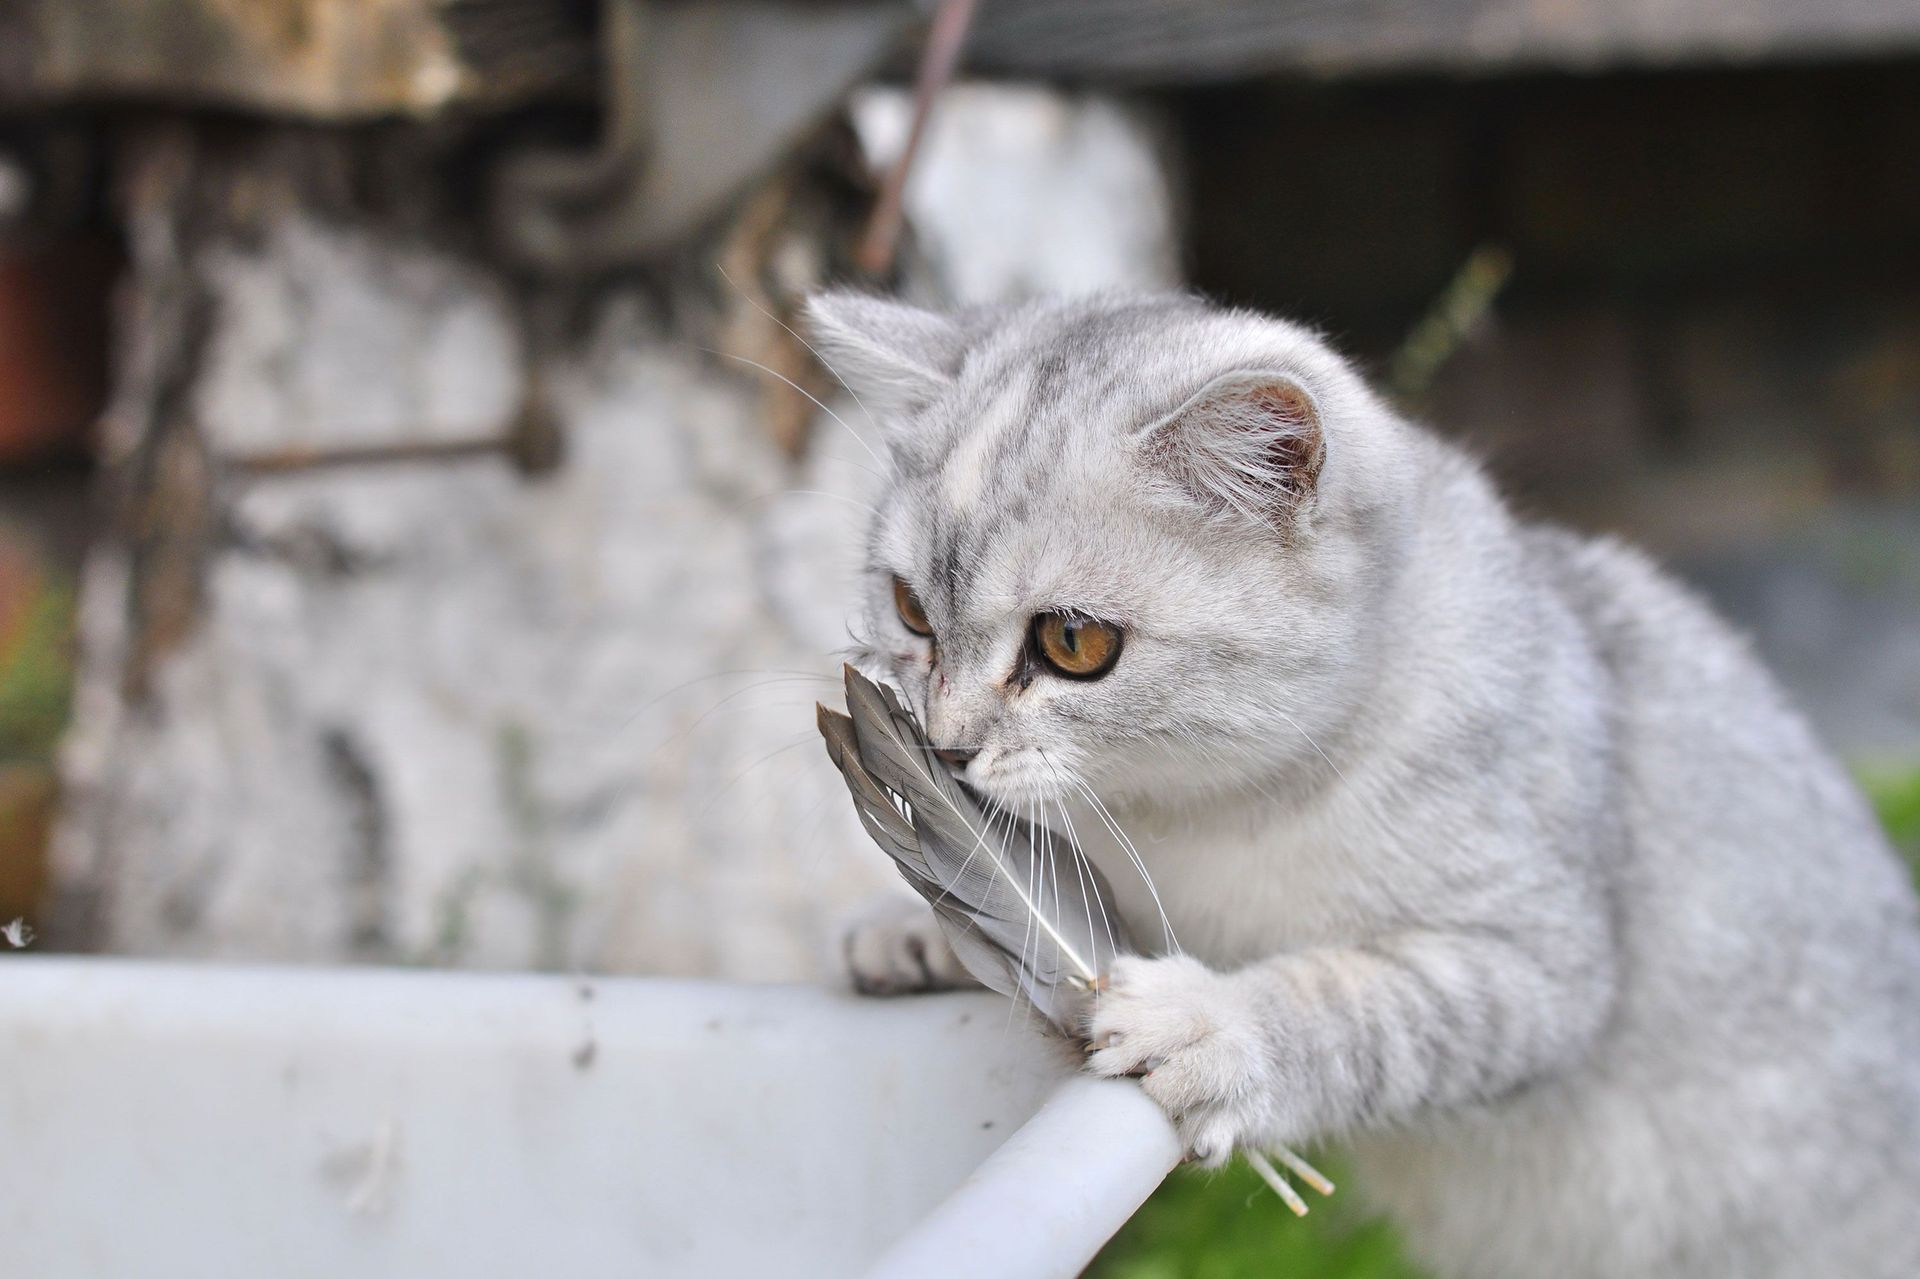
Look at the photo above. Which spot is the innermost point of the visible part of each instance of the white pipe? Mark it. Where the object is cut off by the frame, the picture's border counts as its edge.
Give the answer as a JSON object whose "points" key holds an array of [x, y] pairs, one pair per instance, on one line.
{"points": [[1042, 1205]]}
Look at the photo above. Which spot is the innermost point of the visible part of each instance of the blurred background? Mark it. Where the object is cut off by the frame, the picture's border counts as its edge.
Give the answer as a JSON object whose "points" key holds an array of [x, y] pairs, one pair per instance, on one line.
{"points": [[422, 538]]}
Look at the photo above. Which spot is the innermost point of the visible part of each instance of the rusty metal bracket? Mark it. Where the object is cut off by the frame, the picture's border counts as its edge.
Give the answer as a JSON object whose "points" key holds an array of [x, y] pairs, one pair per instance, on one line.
{"points": [[698, 100]]}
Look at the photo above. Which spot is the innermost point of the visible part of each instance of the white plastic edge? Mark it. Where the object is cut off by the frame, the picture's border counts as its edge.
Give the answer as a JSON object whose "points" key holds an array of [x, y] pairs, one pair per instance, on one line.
{"points": [[1043, 1204]]}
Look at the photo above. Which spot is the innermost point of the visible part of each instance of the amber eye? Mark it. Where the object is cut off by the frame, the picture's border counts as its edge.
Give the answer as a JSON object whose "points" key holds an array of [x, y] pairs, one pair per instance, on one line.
{"points": [[912, 616], [1077, 647]]}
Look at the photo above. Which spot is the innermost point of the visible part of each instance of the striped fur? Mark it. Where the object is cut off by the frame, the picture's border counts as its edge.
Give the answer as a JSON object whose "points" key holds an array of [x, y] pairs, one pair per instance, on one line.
{"points": [[1484, 846]]}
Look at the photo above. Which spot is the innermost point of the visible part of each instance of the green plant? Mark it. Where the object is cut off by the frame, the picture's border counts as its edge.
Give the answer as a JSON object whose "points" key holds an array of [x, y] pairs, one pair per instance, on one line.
{"points": [[1228, 1225], [36, 676], [1896, 797]]}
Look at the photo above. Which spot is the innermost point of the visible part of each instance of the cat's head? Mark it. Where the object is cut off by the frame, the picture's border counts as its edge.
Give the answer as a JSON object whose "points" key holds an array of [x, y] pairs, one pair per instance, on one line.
{"points": [[1124, 542]]}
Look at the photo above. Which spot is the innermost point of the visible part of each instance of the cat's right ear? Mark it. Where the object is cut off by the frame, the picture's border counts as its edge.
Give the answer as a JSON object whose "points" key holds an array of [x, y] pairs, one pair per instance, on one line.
{"points": [[894, 357], [1248, 444]]}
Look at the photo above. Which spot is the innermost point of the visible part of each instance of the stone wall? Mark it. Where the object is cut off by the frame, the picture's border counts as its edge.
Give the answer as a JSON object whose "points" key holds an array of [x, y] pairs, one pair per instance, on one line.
{"points": [[456, 618]]}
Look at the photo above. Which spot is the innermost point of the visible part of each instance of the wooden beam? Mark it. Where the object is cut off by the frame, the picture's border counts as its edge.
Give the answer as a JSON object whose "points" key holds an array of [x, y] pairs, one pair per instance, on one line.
{"points": [[1185, 41], [321, 59]]}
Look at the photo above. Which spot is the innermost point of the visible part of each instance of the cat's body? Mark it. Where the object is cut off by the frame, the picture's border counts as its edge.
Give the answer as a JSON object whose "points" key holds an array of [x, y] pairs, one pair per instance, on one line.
{"points": [[1490, 850]]}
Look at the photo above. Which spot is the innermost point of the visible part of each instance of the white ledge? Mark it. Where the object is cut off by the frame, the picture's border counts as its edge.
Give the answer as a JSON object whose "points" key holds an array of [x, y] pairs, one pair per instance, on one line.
{"points": [[161, 1120]]}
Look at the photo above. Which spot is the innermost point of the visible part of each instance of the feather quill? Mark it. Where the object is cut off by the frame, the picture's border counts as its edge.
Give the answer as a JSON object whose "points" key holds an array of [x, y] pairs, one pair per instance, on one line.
{"points": [[1014, 920], [1020, 923]]}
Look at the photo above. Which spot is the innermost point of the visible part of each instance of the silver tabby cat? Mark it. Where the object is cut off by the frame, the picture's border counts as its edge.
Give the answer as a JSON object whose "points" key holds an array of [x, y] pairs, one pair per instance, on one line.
{"points": [[1483, 847]]}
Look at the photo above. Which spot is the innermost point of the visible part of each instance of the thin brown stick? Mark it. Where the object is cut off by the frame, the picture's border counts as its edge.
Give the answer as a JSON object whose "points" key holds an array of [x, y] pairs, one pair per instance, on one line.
{"points": [[937, 63]]}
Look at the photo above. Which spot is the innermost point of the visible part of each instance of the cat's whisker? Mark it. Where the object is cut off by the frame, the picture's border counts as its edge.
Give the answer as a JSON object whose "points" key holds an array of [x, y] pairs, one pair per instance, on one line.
{"points": [[1047, 847], [1053, 874], [726, 703], [1316, 745], [854, 502], [1091, 891], [1079, 851], [979, 842], [772, 494], [1043, 860], [816, 400], [735, 780], [684, 685], [1101, 811], [1040, 849], [995, 811], [815, 822], [1106, 922], [1013, 1004], [811, 349], [1027, 930], [1048, 878]]}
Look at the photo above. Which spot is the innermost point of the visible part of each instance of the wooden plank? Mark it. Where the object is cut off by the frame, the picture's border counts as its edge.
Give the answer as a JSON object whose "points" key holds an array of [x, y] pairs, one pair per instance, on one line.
{"points": [[352, 59], [323, 59], [1183, 41]]}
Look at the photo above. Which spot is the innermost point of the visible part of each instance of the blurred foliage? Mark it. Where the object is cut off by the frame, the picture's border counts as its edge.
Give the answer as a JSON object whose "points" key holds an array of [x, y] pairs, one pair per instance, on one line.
{"points": [[1896, 796], [1451, 319], [36, 680], [36, 675], [1228, 1225]]}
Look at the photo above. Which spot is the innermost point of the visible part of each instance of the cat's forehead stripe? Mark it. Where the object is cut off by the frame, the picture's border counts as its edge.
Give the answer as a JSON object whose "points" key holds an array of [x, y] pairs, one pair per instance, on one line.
{"points": [[964, 477], [965, 472]]}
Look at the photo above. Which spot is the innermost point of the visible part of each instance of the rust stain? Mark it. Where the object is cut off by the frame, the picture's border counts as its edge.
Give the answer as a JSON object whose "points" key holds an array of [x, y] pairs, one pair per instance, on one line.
{"points": [[334, 59], [173, 527]]}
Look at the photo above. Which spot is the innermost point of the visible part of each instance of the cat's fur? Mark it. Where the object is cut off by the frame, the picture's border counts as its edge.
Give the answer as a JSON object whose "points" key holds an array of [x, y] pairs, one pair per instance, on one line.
{"points": [[1491, 851]]}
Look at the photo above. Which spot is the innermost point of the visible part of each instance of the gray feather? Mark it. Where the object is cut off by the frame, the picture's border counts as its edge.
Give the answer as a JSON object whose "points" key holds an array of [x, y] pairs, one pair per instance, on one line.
{"points": [[1022, 913]]}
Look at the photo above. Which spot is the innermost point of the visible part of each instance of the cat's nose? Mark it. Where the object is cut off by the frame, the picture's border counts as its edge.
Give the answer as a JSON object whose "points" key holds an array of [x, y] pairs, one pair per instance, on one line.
{"points": [[956, 755]]}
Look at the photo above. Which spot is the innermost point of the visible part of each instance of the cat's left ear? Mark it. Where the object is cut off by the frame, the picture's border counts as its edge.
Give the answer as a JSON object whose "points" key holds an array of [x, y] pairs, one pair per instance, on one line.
{"points": [[1247, 444], [894, 357]]}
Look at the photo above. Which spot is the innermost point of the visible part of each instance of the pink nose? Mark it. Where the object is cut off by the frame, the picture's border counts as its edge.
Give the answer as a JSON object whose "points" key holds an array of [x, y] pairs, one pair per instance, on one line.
{"points": [[957, 755]]}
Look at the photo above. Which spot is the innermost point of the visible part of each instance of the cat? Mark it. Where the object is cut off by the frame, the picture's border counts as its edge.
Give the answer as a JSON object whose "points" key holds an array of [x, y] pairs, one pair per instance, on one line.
{"points": [[1479, 846]]}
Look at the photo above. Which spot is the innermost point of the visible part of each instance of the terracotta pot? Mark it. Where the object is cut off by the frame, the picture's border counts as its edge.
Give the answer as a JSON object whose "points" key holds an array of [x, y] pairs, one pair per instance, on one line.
{"points": [[53, 346]]}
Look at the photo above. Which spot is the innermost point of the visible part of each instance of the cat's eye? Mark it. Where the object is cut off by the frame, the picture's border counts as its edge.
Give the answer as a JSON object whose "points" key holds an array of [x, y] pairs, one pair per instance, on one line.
{"points": [[1077, 647], [912, 616]]}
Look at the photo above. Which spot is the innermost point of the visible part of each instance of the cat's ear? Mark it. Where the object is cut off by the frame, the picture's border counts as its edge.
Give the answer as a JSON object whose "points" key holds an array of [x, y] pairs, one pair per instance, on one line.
{"points": [[895, 357], [1248, 444]]}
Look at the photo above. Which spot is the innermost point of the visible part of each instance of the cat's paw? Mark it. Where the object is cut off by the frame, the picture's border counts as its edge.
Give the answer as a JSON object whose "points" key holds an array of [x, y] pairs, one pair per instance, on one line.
{"points": [[896, 948], [1194, 1040]]}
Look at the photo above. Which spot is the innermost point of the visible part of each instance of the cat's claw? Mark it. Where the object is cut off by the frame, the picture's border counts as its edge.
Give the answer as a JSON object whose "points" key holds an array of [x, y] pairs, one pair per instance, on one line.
{"points": [[1184, 1031]]}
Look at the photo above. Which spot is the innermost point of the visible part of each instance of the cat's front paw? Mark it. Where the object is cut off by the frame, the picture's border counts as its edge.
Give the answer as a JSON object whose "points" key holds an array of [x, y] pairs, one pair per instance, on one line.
{"points": [[1193, 1039], [897, 948]]}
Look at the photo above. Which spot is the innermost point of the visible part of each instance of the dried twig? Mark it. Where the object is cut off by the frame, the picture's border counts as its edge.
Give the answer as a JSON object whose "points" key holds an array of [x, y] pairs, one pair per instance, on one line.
{"points": [[1452, 318], [937, 63]]}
